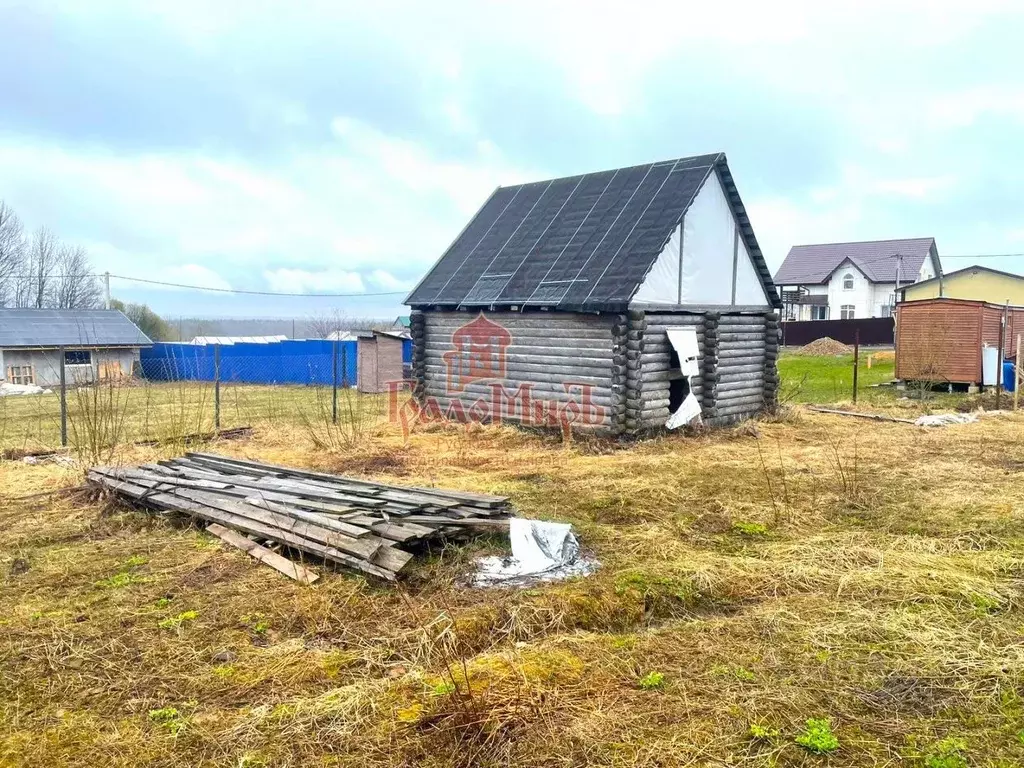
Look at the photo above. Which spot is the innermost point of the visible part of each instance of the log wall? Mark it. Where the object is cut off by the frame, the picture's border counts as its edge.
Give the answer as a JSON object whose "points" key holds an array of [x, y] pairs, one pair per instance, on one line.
{"points": [[546, 351], [624, 358]]}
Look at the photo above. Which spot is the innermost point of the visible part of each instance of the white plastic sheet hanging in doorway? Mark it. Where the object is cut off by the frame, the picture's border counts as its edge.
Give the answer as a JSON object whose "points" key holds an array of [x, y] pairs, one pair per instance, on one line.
{"points": [[684, 342]]}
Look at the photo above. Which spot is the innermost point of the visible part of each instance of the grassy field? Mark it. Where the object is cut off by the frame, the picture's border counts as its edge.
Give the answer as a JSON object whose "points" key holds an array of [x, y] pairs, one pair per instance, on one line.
{"points": [[862, 576], [166, 411]]}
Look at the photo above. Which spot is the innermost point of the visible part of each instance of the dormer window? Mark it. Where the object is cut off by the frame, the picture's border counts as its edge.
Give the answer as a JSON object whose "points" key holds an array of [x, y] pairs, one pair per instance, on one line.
{"points": [[848, 282]]}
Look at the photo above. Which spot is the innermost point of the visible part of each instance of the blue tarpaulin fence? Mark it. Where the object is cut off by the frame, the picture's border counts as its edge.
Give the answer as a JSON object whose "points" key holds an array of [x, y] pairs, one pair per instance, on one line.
{"points": [[284, 362]]}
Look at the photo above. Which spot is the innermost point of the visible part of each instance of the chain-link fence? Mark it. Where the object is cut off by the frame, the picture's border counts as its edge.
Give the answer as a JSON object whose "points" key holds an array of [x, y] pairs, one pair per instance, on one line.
{"points": [[192, 396]]}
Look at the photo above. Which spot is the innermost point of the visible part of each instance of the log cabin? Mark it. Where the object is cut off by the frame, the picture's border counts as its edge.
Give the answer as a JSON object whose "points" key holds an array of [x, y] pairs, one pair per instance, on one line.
{"points": [[622, 301]]}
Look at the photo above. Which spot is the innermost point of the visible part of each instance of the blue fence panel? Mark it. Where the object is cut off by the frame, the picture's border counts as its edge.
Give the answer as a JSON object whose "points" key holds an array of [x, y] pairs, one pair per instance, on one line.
{"points": [[406, 351], [285, 362]]}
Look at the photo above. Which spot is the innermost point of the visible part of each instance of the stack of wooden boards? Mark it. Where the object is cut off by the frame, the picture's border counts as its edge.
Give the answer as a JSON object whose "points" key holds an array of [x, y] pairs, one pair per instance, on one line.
{"points": [[371, 527]]}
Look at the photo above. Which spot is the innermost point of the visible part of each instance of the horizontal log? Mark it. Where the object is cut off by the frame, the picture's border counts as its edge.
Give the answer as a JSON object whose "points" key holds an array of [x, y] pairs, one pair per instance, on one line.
{"points": [[732, 369], [539, 390], [512, 321], [744, 349], [729, 382], [747, 410], [735, 395], [542, 359], [517, 375], [732, 339], [535, 337], [548, 346], [730, 361], [602, 418]]}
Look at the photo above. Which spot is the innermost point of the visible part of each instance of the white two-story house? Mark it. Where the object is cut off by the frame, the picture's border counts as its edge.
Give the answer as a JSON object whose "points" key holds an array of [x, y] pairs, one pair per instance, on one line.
{"points": [[833, 281]]}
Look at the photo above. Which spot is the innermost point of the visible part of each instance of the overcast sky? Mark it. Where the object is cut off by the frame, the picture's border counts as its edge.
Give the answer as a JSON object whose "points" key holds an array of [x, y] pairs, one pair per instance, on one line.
{"points": [[339, 147]]}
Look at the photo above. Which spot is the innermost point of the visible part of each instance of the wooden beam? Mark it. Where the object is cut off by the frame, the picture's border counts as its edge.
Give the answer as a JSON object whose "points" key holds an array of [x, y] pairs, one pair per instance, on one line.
{"points": [[267, 556]]}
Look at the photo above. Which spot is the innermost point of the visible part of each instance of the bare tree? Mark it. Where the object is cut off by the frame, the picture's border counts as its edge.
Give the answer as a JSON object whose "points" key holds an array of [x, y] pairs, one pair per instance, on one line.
{"points": [[33, 287], [12, 253], [74, 286], [323, 324]]}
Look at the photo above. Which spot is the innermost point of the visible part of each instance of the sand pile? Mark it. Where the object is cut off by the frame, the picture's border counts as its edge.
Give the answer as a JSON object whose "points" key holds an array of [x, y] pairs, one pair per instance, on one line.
{"points": [[825, 346]]}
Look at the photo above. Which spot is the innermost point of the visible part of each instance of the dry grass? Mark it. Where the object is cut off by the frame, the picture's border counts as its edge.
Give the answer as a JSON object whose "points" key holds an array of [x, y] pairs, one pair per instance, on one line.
{"points": [[817, 567]]}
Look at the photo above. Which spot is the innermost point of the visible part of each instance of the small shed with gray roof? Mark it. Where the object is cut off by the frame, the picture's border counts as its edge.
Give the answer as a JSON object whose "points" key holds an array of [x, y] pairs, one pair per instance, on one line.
{"points": [[623, 300], [94, 344]]}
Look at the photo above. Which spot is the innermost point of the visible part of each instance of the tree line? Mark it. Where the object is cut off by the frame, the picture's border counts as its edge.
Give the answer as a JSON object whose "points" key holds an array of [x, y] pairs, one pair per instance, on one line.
{"points": [[38, 270]]}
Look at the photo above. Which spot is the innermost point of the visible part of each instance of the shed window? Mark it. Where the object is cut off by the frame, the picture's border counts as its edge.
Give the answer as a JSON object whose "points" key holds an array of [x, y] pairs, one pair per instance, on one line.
{"points": [[847, 311], [77, 357], [21, 374], [847, 282]]}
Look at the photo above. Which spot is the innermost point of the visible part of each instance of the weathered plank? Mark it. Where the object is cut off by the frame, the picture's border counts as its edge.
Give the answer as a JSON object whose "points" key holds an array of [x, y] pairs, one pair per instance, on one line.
{"points": [[267, 556]]}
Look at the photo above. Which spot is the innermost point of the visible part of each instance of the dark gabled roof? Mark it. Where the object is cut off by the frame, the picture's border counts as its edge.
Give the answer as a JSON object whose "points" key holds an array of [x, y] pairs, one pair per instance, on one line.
{"points": [[576, 243], [34, 328], [813, 264], [975, 268]]}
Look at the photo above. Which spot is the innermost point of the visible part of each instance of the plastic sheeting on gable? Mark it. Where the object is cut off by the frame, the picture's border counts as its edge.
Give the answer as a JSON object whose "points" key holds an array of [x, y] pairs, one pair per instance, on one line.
{"points": [[749, 288], [708, 232], [708, 239], [661, 286]]}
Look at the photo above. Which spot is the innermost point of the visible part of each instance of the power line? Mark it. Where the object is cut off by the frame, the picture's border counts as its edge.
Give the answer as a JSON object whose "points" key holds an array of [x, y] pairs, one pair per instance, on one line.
{"points": [[218, 290], [257, 293]]}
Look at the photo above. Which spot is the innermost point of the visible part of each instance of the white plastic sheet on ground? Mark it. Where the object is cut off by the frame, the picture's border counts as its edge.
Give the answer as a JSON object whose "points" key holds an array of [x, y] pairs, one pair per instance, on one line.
{"points": [[946, 419], [541, 551], [7, 390]]}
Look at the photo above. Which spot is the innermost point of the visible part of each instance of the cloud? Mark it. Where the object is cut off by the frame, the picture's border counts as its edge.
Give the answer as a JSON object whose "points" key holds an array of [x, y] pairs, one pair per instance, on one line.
{"points": [[287, 280], [385, 281], [192, 274], [329, 141]]}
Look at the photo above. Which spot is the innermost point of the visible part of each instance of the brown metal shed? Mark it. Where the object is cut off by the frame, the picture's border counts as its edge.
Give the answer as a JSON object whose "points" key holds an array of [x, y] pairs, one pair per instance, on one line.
{"points": [[941, 340], [379, 361]]}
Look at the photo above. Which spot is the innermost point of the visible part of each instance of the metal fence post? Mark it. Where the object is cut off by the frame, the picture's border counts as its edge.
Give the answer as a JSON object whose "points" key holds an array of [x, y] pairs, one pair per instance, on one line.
{"points": [[856, 360], [334, 382], [216, 387], [63, 401]]}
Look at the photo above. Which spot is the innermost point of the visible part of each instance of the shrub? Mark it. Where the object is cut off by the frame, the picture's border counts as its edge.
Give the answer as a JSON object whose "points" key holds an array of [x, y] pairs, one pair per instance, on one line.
{"points": [[818, 737], [652, 681], [948, 753]]}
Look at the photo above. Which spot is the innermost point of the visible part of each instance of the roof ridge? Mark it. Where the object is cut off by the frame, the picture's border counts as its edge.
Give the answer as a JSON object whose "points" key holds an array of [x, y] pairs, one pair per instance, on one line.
{"points": [[864, 242], [715, 155]]}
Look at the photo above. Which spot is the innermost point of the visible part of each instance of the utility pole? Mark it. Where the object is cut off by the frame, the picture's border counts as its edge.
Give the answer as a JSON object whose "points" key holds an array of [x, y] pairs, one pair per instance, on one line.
{"points": [[899, 266], [106, 289]]}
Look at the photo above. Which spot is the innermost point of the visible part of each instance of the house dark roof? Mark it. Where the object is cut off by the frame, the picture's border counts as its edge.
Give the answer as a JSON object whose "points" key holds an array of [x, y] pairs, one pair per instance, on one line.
{"points": [[811, 264], [35, 328], [577, 243]]}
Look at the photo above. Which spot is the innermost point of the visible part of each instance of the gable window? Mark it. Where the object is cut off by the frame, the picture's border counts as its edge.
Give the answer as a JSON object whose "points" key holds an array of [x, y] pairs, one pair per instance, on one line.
{"points": [[847, 311], [819, 313], [77, 357], [848, 282]]}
